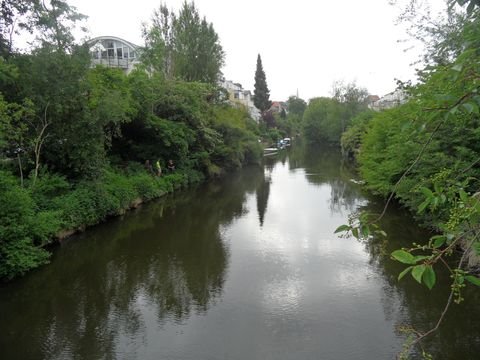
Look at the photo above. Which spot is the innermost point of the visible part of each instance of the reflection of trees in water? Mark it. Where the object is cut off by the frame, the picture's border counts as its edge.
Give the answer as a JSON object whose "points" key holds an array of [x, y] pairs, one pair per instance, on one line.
{"points": [[324, 165], [167, 258], [344, 196], [269, 162], [262, 192], [457, 337]]}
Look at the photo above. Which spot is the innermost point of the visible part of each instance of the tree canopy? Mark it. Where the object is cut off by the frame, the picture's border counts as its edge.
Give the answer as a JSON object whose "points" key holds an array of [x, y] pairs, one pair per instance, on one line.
{"points": [[183, 46]]}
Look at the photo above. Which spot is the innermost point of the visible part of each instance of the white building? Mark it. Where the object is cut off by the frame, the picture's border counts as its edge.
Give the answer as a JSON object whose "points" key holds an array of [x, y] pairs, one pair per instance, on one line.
{"points": [[238, 96], [112, 51], [391, 100]]}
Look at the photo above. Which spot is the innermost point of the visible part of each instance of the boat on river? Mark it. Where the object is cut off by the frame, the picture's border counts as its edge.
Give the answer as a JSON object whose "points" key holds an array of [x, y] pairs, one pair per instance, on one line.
{"points": [[273, 149], [270, 151]]}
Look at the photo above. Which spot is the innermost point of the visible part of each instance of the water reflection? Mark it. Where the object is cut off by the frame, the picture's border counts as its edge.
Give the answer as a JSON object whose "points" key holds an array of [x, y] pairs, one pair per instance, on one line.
{"points": [[413, 305], [325, 166], [163, 261], [244, 268], [263, 190]]}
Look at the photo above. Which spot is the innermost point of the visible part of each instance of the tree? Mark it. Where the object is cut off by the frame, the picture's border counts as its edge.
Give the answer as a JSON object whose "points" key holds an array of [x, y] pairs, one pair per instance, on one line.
{"points": [[11, 20], [185, 47], [157, 54], [322, 120], [261, 94], [55, 20], [352, 98], [296, 106]]}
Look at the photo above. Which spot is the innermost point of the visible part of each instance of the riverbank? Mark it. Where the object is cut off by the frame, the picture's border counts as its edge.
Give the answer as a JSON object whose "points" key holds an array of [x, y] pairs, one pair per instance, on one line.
{"points": [[54, 209]]}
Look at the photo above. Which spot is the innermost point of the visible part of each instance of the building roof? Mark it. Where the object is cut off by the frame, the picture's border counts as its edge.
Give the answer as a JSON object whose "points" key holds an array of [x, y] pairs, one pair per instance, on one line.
{"points": [[100, 38]]}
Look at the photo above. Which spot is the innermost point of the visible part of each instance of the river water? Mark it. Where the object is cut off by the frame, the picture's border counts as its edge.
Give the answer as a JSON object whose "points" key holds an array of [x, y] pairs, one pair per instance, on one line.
{"points": [[246, 267]]}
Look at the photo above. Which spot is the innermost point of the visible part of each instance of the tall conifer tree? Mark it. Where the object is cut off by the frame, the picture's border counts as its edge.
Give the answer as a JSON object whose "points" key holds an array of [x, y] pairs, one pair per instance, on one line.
{"points": [[261, 94]]}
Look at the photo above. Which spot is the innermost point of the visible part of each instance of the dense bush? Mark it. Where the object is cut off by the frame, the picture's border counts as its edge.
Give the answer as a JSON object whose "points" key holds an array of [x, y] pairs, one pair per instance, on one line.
{"points": [[23, 230], [352, 138], [437, 132], [322, 121]]}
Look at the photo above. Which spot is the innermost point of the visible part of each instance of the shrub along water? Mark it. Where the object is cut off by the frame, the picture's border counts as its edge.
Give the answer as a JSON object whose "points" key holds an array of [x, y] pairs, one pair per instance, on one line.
{"points": [[31, 218]]}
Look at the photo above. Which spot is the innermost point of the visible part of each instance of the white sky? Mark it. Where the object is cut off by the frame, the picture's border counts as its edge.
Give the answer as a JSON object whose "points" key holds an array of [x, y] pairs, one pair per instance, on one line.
{"points": [[304, 44]]}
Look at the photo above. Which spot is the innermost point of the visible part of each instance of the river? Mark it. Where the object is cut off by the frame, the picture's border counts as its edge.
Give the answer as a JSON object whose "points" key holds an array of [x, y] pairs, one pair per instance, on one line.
{"points": [[246, 267]]}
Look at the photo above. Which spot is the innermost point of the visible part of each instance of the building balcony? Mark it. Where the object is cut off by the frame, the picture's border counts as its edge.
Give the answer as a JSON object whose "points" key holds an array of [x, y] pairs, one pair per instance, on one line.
{"points": [[114, 62]]}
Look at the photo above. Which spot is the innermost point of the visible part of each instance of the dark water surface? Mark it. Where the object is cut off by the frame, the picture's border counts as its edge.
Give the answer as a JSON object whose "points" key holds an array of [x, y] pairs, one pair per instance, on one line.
{"points": [[243, 268]]}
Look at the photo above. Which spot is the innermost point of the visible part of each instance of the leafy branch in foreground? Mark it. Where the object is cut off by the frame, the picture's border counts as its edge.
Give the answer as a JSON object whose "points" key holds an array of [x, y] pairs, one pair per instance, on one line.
{"points": [[461, 232], [426, 155]]}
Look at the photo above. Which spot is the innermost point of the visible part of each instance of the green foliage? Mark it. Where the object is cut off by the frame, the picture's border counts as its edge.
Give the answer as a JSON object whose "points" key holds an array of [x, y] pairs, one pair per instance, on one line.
{"points": [[353, 99], [425, 153], [296, 106], [352, 138], [94, 201], [239, 145], [55, 23], [325, 119], [322, 121], [48, 187], [76, 137], [183, 46], [261, 94], [22, 230]]}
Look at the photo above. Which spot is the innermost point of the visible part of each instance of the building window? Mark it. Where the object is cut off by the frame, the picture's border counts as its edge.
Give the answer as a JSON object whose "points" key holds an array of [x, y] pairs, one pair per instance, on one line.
{"points": [[119, 53], [132, 54], [125, 52]]}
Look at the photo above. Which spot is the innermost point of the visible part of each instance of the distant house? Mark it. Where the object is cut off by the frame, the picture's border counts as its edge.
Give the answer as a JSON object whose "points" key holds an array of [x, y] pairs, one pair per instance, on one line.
{"points": [[278, 106], [115, 52], [372, 98], [391, 100], [238, 96]]}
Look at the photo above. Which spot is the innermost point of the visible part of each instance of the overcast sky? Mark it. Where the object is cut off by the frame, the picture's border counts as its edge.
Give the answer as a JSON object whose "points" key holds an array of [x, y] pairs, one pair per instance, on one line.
{"points": [[304, 44]]}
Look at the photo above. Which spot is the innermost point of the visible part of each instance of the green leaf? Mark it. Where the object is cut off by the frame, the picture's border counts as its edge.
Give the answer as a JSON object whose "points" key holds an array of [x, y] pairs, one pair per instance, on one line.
{"points": [[404, 257], [453, 110], [429, 278], [382, 233], [365, 231], [477, 99], [445, 97], [417, 272], [473, 279], [355, 232], [457, 67], [423, 206], [438, 240], [463, 196], [342, 228], [404, 272], [470, 107], [450, 238], [427, 192]]}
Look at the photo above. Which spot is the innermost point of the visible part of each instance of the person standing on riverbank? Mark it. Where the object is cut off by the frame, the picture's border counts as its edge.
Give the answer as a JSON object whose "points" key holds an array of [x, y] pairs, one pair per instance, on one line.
{"points": [[159, 168]]}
